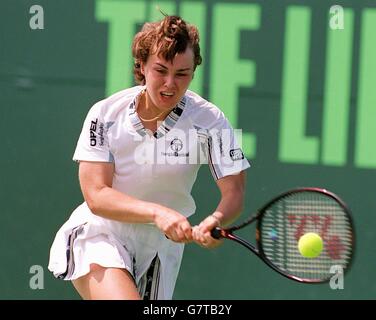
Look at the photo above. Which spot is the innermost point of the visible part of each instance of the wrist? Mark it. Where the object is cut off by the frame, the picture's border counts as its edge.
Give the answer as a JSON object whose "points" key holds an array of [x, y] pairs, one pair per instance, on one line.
{"points": [[217, 216], [153, 212]]}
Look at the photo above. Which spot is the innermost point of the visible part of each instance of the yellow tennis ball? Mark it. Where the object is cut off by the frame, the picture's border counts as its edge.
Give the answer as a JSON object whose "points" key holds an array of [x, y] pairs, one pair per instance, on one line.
{"points": [[310, 245]]}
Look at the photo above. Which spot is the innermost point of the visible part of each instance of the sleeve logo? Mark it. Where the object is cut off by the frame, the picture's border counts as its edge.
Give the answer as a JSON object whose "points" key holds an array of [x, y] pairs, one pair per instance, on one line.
{"points": [[93, 131], [236, 154]]}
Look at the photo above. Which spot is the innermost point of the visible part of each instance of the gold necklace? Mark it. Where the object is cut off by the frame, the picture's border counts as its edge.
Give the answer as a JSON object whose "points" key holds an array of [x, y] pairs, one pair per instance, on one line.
{"points": [[143, 119], [149, 120]]}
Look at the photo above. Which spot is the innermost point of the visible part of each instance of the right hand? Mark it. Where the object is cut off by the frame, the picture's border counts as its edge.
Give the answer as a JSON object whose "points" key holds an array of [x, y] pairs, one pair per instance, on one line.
{"points": [[174, 225], [202, 233]]}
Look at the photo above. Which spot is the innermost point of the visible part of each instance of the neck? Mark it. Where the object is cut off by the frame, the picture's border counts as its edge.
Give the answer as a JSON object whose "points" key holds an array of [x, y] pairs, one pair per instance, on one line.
{"points": [[143, 105]]}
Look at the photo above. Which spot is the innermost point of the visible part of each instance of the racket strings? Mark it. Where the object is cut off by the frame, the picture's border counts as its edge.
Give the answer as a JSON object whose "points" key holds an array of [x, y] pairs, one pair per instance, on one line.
{"points": [[284, 222]]}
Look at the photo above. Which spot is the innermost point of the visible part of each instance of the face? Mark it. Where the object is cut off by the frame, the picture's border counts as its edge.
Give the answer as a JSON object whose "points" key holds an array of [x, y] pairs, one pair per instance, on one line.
{"points": [[166, 81]]}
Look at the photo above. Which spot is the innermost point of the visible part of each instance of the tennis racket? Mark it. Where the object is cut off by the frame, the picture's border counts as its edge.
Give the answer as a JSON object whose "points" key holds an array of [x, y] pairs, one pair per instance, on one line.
{"points": [[287, 217]]}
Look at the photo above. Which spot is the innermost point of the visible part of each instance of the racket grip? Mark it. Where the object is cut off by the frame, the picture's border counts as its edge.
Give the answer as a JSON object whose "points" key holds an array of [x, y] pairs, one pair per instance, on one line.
{"points": [[216, 233]]}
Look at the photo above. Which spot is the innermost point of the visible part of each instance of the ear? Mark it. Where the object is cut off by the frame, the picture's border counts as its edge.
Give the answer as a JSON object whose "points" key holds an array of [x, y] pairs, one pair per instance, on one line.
{"points": [[142, 69]]}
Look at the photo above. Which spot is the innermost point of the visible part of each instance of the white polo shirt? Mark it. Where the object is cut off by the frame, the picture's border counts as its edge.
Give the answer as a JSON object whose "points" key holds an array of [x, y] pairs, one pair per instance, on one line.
{"points": [[162, 167]]}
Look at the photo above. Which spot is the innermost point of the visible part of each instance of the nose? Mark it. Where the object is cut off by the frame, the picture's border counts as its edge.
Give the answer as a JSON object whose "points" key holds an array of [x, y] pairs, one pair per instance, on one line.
{"points": [[170, 81]]}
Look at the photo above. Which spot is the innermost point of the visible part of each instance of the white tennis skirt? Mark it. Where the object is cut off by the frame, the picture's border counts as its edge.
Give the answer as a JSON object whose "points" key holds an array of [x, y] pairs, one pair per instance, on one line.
{"points": [[86, 239]]}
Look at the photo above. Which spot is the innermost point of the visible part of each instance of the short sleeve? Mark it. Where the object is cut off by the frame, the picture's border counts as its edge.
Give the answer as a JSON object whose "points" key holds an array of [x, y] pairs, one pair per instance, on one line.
{"points": [[225, 156], [93, 143]]}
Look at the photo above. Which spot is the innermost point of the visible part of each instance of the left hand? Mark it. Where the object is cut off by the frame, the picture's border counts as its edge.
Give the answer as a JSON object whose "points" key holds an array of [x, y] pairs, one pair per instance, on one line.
{"points": [[201, 233]]}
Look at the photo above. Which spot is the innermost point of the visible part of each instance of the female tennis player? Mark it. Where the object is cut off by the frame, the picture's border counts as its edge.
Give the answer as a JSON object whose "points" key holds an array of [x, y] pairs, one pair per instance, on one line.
{"points": [[139, 153]]}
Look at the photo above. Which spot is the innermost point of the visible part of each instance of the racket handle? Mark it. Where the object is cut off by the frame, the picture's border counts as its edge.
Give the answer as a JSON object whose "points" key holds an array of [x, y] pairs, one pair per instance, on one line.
{"points": [[216, 233]]}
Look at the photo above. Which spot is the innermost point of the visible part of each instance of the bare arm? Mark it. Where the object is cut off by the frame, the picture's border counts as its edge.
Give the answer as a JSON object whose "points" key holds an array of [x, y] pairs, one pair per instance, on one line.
{"points": [[96, 185], [232, 196], [228, 210]]}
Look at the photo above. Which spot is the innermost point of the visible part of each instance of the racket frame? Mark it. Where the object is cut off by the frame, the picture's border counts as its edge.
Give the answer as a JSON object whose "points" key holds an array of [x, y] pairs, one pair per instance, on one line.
{"points": [[258, 249]]}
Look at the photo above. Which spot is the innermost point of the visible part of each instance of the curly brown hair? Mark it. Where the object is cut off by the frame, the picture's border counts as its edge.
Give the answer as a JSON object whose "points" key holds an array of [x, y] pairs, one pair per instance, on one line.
{"points": [[167, 37]]}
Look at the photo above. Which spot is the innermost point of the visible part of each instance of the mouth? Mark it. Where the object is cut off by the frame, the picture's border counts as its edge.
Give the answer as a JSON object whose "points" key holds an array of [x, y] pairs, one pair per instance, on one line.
{"points": [[167, 94]]}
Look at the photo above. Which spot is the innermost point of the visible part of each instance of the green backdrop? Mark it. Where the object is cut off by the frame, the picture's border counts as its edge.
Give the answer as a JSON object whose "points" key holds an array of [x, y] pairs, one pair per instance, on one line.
{"points": [[297, 76]]}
